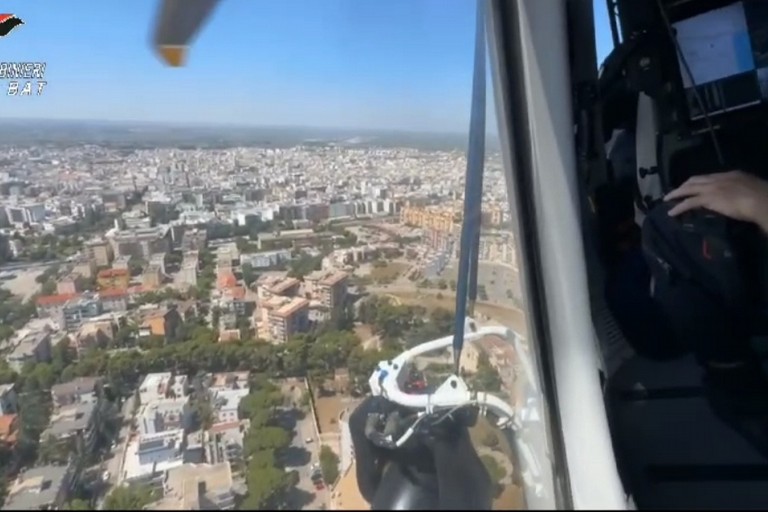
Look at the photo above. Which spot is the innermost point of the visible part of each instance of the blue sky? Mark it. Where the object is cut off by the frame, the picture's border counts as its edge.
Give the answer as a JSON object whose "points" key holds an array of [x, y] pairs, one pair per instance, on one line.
{"points": [[388, 64]]}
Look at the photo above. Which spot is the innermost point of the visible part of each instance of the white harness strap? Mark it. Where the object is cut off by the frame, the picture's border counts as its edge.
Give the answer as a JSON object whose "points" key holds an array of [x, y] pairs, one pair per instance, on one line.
{"points": [[648, 181]]}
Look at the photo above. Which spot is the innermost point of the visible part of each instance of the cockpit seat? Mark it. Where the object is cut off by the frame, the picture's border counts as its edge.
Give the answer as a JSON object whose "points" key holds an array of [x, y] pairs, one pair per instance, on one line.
{"points": [[672, 451]]}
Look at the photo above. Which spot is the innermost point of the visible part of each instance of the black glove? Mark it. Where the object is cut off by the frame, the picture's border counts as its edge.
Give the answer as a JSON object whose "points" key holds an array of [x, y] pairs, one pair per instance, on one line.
{"points": [[370, 459], [438, 468]]}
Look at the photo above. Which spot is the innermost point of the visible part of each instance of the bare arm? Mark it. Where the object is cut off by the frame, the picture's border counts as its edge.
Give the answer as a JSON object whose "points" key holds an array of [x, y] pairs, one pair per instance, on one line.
{"points": [[735, 194]]}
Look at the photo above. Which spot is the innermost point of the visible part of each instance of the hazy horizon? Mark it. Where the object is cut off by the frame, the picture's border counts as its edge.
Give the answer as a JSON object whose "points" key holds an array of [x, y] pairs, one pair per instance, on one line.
{"points": [[400, 65], [147, 134]]}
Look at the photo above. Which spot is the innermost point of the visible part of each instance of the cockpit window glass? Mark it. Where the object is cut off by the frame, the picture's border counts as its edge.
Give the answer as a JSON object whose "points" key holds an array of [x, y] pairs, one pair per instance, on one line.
{"points": [[602, 18], [266, 201]]}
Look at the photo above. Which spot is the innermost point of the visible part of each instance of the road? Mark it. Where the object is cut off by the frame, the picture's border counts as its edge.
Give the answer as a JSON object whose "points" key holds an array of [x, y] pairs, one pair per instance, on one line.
{"points": [[301, 455], [25, 265], [306, 431], [114, 464]]}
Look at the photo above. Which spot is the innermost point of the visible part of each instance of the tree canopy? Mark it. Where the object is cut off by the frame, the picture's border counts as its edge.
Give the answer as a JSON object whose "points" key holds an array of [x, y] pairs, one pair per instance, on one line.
{"points": [[133, 497], [329, 464], [267, 481]]}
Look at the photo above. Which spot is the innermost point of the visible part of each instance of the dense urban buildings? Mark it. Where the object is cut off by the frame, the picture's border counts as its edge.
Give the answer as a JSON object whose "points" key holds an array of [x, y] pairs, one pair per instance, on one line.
{"points": [[219, 260]]}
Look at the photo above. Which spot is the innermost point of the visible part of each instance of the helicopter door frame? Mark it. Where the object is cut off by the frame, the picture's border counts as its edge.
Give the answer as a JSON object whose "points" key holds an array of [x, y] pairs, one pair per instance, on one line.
{"points": [[528, 46]]}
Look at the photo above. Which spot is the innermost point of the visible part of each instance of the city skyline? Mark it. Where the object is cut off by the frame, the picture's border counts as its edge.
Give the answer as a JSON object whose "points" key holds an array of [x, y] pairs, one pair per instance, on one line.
{"points": [[340, 65]]}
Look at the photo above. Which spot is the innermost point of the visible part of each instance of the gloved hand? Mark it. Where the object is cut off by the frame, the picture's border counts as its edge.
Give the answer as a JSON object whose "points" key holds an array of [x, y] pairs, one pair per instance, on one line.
{"points": [[370, 459], [438, 468]]}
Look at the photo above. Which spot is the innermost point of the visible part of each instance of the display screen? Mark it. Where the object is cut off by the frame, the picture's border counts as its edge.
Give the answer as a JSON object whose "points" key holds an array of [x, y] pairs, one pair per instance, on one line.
{"points": [[726, 52]]}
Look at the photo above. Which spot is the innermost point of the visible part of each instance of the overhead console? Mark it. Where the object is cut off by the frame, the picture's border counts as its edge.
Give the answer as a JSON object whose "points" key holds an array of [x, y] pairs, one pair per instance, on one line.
{"points": [[704, 65], [724, 56], [720, 55]]}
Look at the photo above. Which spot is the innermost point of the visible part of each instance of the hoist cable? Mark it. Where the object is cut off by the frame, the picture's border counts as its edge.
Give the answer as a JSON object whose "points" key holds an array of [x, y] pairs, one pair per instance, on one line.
{"points": [[466, 282]]}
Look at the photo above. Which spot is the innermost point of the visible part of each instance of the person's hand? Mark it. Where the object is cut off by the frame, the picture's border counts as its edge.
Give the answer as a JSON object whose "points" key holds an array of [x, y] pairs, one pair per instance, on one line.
{"points": [[735, 194]]}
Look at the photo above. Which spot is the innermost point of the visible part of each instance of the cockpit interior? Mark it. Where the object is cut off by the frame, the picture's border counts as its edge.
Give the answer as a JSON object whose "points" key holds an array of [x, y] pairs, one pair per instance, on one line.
{"points": [[683, 93]]}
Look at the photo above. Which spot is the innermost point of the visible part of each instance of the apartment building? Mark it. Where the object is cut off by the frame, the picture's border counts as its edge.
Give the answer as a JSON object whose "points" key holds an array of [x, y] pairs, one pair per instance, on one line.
{"points": [[85, 267], [224, 442], [327, 287], [198, 487], [194, 240], [29, 213], [141, 242], [52, 306], [149, 456], [164, 414], [100, 252], [79, 309], [77, 422], [266, 259], [114, 299], [9, 430], [226, 403], [331, 290], [437, 218], [187, 275], [9, 400], [113, 278], [121, 263], [287, 317], [295, 238], [33, 347], [68, 285], [159, 260], [77, 391], [152, 278], [157, 386], [95, 332], [40, 488], [270, 285], [163, 321]]}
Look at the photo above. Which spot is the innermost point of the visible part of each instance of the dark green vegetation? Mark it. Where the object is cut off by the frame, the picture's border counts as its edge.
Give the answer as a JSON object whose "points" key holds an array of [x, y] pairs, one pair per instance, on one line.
{"points": [[13, 313], [329, 464], [134, 497], [195, 350], [266, 441]]}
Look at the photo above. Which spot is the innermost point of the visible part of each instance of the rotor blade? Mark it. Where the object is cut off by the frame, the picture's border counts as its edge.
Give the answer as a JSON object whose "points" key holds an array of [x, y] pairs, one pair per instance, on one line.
{"points": [[178, 23]]}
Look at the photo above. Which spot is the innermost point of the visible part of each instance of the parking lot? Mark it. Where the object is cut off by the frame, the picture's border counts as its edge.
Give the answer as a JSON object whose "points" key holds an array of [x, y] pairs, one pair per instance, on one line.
{"points": [[23, 284]]}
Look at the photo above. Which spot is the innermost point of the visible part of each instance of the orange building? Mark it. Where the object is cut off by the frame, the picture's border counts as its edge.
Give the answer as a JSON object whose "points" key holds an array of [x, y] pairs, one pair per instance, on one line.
{"points": [[9, 429], [52, 305], [440, 218], [225, 279], [160, 322], [119, 278], [234, 292], [228, 335]]}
